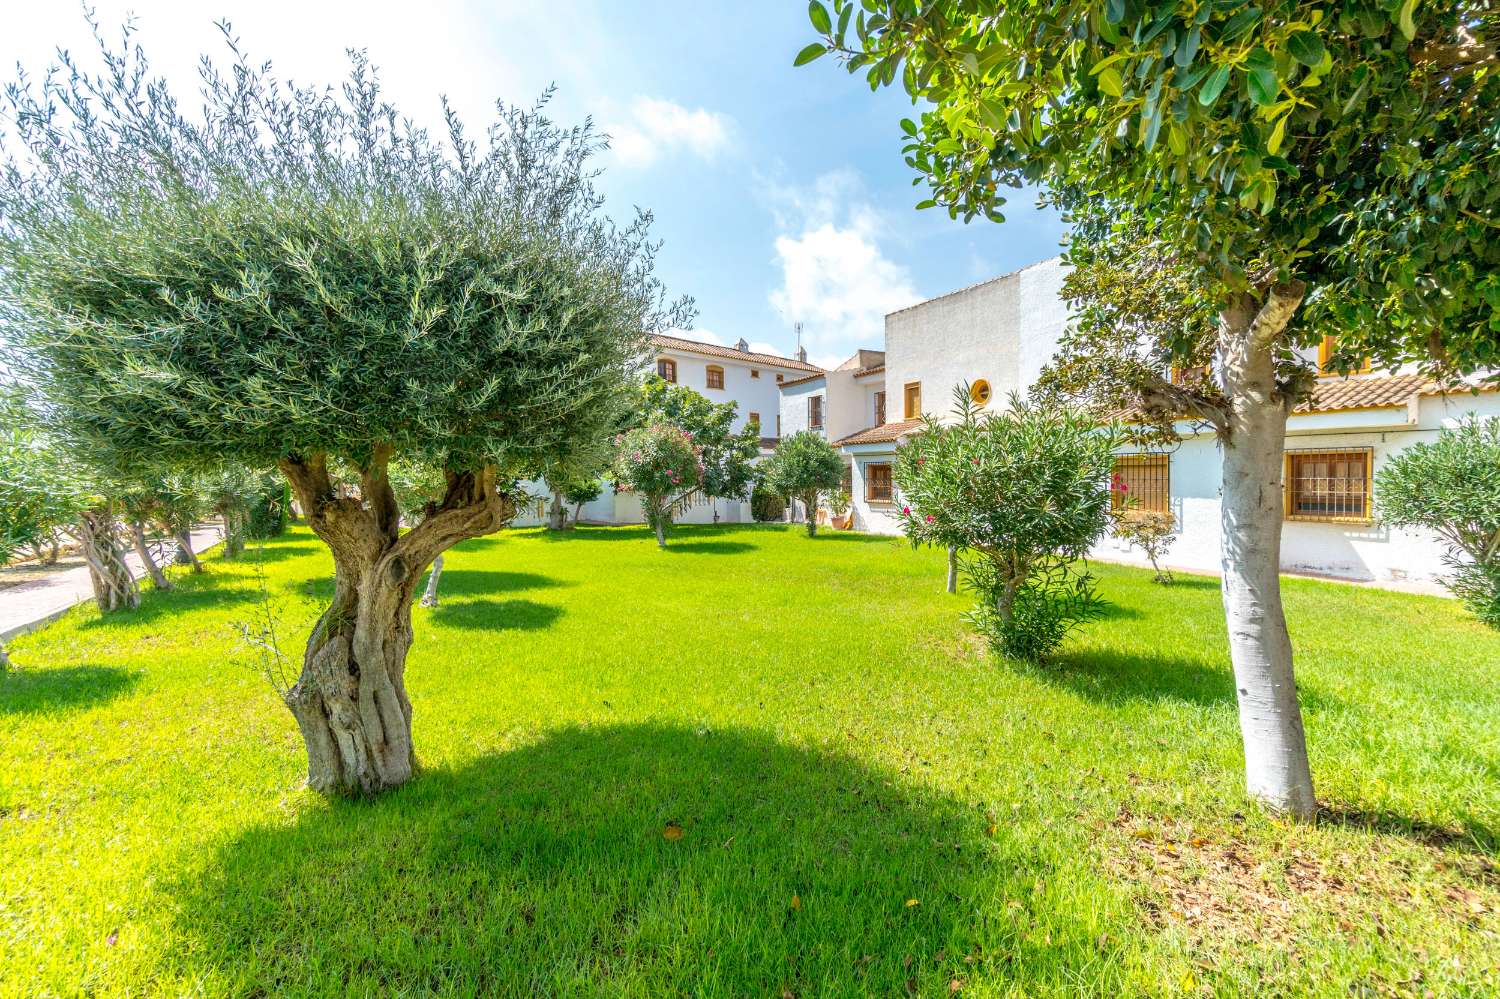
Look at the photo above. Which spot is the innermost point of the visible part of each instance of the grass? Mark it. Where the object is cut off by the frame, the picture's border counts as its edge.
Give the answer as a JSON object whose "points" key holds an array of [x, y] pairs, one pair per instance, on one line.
{"points": [[868, 804]]}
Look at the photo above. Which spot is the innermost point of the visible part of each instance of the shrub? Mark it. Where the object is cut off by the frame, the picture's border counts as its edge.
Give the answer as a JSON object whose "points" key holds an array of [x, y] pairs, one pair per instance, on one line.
{"points": [[1451, 486], [1023, 496], [1148, 530], [662, 466], [803, 466], [765, 505]]}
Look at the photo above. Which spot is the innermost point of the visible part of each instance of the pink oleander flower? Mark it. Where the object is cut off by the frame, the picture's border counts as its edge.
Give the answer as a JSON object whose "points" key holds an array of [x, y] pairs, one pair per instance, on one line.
{"points": [[636, 455], [906, 510], [930, 518], [973, 461]]}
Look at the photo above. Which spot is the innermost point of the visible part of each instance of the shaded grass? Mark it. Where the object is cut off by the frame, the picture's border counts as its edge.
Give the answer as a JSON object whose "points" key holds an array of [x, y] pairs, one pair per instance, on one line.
{"points": [[815, 717]]}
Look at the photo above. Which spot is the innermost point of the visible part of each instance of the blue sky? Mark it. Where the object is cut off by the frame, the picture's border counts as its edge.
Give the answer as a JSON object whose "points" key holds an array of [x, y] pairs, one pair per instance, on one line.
{"points": [[780, 193]]}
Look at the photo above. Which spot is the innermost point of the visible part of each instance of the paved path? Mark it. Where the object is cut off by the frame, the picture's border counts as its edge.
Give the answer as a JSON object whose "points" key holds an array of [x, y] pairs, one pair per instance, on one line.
{"points": [[47, 593]]}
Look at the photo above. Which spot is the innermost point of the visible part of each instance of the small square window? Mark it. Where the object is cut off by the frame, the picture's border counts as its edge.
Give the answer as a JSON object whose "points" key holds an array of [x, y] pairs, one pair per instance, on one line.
{"points": [[754, 372], [667, 369], [1328, 485], [779, 377], [878, 483], [715, 376]]}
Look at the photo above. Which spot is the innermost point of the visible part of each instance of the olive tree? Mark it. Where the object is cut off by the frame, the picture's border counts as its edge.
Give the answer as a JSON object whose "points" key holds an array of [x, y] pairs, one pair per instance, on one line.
{"points": [[803, 466], [1451, 487], [1021, 496], [1302, 168], [300, 278]]}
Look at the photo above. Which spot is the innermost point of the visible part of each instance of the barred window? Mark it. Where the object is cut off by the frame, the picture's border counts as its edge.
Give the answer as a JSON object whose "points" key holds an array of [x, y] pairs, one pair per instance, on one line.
{"points": [[878, 483], [715, 376], [1328, 485], [1142, 482]]}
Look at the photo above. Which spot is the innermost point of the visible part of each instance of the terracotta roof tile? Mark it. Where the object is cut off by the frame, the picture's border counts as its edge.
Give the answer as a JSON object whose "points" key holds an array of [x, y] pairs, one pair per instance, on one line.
{"points": [[801, 381], [1366, 392], [714, 350], [885, 433], [873, 369]]}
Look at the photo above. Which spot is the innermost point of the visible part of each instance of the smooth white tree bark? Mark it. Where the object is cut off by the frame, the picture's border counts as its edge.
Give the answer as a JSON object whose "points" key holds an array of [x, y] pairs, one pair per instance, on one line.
{"points": [[430, 595], [1276, 764], [952, 569]]}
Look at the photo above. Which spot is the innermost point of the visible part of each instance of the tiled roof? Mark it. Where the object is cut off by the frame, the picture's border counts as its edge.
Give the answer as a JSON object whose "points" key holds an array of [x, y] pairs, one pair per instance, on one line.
{"points": [[885, 433], [1366, 392], [714, 350], [873, 369], [801, 381]]}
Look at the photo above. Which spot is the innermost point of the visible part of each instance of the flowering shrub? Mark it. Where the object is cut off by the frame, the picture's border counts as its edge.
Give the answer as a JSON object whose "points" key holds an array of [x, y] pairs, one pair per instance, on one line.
{"points": [[1022, 495], [1148, 530], [663, 466]]}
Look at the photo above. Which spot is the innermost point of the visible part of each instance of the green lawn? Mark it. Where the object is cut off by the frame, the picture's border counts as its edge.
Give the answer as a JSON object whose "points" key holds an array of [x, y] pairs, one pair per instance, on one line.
{"points": [[868, 803]]}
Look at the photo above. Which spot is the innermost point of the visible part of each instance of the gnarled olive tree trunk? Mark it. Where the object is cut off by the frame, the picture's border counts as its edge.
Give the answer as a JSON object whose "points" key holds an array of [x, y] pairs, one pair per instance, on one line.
{"points": [[350, 700], [185, 553], [1276, 765], [97, 532], [159, 579]]}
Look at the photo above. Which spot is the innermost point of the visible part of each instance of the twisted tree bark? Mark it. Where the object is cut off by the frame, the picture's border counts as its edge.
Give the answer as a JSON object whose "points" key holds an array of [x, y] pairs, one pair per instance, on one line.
{"points": [[159, 579], [350, 701], [185, 553], [1276, 766], [114, 586]]}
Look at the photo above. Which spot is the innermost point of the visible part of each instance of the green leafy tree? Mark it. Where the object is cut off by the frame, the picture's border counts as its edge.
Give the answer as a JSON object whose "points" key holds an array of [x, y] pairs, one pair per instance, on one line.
{"points": [[803, 466], [1451, 487], [1303, 169], [663, 465], [583, 491], [1021, 495], [297, 278], [727, 457], [765, 504]]}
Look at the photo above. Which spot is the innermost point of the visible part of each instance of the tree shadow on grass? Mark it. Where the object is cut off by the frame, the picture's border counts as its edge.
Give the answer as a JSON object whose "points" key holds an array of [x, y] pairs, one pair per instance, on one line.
{"points": [[693, 546], [496, 615], [1116, 677], [479, 582], [188, 594], [557, 868], [26, 691], [274, 551]]}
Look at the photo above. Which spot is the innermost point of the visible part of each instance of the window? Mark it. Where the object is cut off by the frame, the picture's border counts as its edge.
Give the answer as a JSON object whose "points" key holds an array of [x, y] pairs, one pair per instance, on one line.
{"points": [[667, 369], [1328, 485], [878, 483], [815, 412], [755, 418], [1191, 375], [913, 400], [1326, 368], [754, 372], [715, 376], [879, 408], [779, 377], [979, 392], [778, 426], [1141, 482]]}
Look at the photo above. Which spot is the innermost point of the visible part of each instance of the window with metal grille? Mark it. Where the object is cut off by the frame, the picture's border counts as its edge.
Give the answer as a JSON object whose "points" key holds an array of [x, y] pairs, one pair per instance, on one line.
{"points": [[815, 412], [667, 369], [1141, 483], [715, 376], [878, 483], [879, 408], [1328, 485]]}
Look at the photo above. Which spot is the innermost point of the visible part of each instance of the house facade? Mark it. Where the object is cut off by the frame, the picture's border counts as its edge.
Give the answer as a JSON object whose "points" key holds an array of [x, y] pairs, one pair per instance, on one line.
{"points": [[749, 379], [996, 336]]}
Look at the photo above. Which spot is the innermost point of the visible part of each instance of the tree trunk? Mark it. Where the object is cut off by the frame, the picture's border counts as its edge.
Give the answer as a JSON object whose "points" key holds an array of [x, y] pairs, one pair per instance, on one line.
{"points": [[1276, 764], [4, 659], [114, 586], [952, 569], [159, 579], [810, 504], [350, 701], [185, 553], [661, 535], [430, 595], [557, 515], [234, 533], [577, 513]]}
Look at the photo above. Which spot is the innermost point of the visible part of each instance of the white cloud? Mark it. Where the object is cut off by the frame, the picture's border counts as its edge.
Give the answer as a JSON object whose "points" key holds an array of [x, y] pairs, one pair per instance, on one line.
{"points": [[656, 127], [835, 278]]}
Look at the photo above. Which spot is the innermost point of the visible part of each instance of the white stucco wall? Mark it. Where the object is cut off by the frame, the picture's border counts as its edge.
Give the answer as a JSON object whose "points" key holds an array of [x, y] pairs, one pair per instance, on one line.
{"points": [[749, 394], [1002, 331], [1352, 551], [794, 405]]}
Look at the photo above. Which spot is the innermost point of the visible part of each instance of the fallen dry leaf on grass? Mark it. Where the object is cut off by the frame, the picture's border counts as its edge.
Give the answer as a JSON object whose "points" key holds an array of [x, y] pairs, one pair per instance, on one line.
{"points": [[672, 832]]}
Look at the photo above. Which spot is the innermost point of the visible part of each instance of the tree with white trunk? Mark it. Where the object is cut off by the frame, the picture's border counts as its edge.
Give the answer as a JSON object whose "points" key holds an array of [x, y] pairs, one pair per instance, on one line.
{"points": [[298, 278], [1296, 170]]}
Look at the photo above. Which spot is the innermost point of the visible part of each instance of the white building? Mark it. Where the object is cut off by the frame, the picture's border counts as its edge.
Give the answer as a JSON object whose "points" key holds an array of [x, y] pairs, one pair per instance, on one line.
{"points": [[750, 380], [996, 336]]}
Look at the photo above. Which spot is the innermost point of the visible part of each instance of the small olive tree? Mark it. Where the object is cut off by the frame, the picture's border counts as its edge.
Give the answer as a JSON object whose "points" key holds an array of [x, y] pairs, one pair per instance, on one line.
{"points": [[1451, 486], [298, 278], [803, 466], [1022, 495], [663, 466]]}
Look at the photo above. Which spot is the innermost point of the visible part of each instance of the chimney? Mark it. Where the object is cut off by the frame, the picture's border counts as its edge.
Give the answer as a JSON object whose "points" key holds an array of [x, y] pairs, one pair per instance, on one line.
{"points": [[802, 354], [742, 345]]}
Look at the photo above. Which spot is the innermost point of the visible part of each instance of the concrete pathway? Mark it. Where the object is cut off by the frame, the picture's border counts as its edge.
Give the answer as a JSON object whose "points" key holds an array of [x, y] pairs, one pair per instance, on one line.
{"points": [[45, 593]]}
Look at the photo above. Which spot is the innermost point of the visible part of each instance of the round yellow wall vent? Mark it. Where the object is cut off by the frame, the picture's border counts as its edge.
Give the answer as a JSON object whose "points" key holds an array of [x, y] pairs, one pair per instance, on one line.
{"points": [[979, 391]]}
